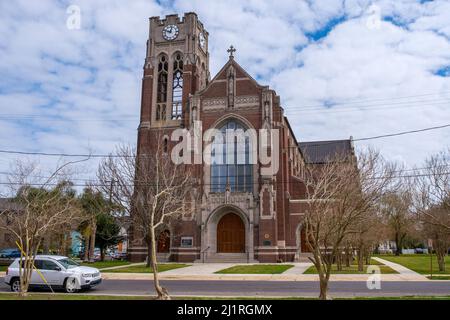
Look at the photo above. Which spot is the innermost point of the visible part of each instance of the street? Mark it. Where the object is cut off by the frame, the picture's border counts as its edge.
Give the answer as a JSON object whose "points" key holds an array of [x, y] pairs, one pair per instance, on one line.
{"points": [[267, 288]]}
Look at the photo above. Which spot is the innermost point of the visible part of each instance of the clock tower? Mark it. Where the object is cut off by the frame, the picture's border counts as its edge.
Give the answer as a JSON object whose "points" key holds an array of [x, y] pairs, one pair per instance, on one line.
{"points": [[176, 66]]}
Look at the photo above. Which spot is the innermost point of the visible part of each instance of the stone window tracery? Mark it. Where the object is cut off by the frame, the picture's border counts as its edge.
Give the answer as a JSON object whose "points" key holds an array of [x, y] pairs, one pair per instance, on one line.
{"points": [[161, 98], [177, 86]]}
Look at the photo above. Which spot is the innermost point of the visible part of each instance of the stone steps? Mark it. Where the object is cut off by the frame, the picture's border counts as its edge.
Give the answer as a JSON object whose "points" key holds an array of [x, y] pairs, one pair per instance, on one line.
{"points": [[304, 257], [226, 258]]}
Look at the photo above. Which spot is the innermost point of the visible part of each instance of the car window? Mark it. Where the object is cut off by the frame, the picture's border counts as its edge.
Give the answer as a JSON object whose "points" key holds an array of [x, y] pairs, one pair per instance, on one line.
{"points": [[37, 264], [68, 263], [48, 265]]}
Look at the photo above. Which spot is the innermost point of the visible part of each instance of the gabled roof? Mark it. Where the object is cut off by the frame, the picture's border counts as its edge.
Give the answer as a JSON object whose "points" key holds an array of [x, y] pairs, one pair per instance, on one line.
{"points": [[223, 71], [317, 152]]}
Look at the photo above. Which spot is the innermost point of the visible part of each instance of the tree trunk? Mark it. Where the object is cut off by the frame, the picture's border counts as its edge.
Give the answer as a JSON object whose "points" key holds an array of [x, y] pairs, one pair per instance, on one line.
{"points": [[160, 291], [360, 257], [348, 256], [339, 260], [398, 249], [149, 252], [323, 289], [86, 249], [92, 244], [46, 245], [441, 260], [102, 254], [360, 262]]}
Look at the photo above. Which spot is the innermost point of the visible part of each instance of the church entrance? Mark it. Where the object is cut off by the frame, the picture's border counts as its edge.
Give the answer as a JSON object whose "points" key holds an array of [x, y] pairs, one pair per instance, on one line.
{"points": [[230, 234], [164, 242], [303, 245]]}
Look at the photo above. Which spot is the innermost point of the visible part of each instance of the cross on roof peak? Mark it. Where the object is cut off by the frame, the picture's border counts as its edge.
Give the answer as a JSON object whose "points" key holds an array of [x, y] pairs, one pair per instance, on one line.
{"points": [[231, 51]]}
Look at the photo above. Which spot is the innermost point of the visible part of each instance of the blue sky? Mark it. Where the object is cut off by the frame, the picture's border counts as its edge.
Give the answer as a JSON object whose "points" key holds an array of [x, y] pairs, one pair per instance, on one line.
{"points": [[342, 68]]}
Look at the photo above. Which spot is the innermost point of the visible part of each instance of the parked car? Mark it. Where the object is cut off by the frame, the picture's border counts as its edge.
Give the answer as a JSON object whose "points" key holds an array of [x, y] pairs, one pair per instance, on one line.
{"points": [[119, 256], [58, 271], [10, 253]]}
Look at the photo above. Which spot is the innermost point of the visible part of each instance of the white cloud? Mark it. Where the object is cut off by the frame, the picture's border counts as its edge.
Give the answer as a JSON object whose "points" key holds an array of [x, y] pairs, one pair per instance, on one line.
{"points": [[69, 80]]}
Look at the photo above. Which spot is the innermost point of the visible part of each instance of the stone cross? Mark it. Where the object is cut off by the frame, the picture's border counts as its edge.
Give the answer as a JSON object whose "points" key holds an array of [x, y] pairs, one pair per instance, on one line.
{"points": [[231, 51]]}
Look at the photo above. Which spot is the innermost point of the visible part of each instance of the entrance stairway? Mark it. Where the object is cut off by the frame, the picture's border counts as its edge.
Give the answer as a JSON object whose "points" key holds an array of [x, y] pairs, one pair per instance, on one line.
{"points": [[226, 258], [304, 257], [162, 257]]}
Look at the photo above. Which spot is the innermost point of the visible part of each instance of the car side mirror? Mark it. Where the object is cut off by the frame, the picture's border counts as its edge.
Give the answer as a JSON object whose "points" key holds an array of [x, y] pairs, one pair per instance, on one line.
{"points": [[58, 268]]}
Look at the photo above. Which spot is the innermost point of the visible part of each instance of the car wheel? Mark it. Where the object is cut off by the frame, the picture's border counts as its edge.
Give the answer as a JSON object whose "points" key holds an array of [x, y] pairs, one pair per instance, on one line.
{"points": [[71, 285], [15, 285]]}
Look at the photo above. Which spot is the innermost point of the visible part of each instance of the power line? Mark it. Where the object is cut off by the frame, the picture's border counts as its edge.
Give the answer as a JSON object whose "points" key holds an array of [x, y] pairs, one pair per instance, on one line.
{"points": [[304, 109], [214, 184], [443, 93], [403, 133], [309, 145]]}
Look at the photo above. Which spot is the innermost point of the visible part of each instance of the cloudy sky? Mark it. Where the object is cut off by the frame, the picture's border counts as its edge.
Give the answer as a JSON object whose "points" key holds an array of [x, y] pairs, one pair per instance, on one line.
{"points": [[342, 68]]}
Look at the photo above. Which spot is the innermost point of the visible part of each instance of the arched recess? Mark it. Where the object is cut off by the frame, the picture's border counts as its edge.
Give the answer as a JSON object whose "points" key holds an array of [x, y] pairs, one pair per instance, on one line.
{"points": [[230, 234], [240, 176], [300, 239], [164, 241], [209, 236]]}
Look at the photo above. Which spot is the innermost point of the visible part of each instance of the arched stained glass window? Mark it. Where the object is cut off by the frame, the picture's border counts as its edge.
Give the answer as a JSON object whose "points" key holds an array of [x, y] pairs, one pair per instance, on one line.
{"points": [[177, 88], [231, 162], [161, 98]]}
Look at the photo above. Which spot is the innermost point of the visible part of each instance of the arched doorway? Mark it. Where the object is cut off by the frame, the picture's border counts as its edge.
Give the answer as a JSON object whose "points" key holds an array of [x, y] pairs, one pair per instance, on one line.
{"points": [[164, 242], [303, 245], [230, 234]]}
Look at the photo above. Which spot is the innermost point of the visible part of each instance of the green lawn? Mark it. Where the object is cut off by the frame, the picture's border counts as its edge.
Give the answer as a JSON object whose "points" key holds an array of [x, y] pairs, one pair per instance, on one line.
{"points": [[353, 269], [418, 262], [257, 269], [105, 264], [439, 277], [143, 269]]}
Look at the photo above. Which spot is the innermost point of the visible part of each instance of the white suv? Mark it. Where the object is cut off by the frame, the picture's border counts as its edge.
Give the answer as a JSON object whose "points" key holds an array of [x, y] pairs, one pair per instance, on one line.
{"points": [[59, 272]]}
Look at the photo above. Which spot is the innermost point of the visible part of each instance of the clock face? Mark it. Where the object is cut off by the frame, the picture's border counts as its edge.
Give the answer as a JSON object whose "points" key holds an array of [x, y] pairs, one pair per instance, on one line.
{"points": [[202, 40], [170, 32]]}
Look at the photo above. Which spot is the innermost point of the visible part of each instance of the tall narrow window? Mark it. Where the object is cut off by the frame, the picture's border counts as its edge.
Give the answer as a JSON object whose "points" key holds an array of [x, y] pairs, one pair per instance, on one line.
{"points": [[161, 98], [165, 145], [177, 88], [235, 172]]}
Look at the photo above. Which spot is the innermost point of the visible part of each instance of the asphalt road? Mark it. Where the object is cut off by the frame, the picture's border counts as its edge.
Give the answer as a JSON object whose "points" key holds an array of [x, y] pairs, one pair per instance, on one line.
{"points": [[267, 288]]}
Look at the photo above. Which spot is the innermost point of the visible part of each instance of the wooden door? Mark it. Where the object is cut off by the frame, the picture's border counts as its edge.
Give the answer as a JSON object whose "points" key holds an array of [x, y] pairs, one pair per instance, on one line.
{"points": [[303, 245], [230, 234], [164, 241]]}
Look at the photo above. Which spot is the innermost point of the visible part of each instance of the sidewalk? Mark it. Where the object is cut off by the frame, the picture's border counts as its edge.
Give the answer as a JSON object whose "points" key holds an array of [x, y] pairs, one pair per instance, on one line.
{"points": [[206, 271], [256, 277], [123, 266], [403, 272]]}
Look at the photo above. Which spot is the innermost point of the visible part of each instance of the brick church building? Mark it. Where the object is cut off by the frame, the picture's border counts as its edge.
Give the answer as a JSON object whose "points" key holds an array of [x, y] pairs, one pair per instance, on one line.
{"points": [[242, 212]]}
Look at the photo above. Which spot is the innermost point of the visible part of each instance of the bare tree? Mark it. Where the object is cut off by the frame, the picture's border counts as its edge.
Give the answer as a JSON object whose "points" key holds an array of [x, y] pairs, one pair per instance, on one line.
{"points": [[41, 207], [432, 189], [396, 208], [339, 193], [437, 232], [152, 189], [432, 202], [367, 235]]}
